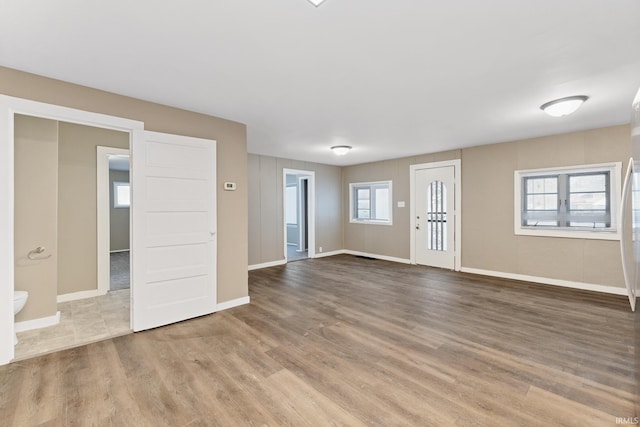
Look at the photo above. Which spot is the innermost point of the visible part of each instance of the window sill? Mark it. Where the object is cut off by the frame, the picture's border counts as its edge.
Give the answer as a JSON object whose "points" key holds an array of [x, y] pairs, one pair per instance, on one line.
{"points": [[360, 221], [570, 234]]}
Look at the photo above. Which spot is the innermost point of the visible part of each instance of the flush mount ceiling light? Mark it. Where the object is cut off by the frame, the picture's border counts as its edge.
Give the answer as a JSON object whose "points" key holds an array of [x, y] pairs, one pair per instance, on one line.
{"points": [[341, 150], [563, 106], [316, 3]]}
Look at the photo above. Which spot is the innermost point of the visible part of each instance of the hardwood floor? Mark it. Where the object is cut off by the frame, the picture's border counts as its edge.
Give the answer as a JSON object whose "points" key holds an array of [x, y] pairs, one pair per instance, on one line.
{"points": [[351, 341]]}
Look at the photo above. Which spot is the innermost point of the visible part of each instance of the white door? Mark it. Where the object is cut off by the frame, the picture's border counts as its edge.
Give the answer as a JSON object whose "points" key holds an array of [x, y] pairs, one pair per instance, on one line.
{"points": [[629, 242], [435, 216], [173, 229]]}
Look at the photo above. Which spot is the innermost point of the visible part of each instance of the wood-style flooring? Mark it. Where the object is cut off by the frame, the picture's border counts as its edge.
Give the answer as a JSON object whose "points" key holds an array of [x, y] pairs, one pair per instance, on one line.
{"points": [[351, 341]]}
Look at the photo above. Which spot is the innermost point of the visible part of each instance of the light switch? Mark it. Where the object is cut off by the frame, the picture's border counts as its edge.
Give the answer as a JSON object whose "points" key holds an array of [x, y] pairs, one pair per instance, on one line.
{"points": [[230, 186], [401, 204]]}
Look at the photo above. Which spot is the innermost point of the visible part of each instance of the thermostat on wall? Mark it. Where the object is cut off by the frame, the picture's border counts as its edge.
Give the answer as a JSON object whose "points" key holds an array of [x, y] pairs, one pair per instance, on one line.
{"points": [[230, 186]]}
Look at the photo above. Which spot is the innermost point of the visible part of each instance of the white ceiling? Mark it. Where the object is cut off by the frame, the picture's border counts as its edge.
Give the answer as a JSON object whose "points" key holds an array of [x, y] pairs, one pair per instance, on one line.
{"points": [[390, 77]]}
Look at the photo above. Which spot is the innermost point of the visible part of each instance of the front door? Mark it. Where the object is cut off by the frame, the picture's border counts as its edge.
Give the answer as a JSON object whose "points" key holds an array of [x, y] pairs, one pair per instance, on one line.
{"points": [[435, 216], [174, 229]]}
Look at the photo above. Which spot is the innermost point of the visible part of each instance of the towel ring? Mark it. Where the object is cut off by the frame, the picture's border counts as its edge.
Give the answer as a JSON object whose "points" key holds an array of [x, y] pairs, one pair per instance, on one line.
{"points": [[37, 251]]}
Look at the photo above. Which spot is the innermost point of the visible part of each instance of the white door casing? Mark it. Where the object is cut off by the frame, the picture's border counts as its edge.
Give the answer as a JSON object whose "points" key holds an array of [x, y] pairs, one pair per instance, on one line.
{"points": [[435, 214], [173, 183], [103, 213], [303, 214]]}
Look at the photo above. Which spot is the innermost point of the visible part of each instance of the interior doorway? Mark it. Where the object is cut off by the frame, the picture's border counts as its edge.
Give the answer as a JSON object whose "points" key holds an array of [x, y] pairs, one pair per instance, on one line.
{"points": [[299, 214], [114, 219], [435, 214], [55, 211], [9, 108]]}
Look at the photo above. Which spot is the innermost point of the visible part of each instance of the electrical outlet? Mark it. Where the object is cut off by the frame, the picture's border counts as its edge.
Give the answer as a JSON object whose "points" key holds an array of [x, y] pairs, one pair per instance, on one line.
{"points": [[320, 248]]}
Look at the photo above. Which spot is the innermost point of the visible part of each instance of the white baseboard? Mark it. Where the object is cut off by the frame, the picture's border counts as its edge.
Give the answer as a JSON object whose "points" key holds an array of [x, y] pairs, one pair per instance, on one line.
{"points": [[512, 276], [376, 256], [80, 295], [547, 281], [330, 253], [267, 264], [42, 322], [357, 253], [119, 250], [233, 303]]}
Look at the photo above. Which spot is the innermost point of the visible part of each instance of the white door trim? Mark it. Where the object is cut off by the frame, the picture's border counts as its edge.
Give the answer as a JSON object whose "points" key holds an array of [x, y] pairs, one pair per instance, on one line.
{"points": [[311, 198], [458, 207], [302, 241], [9, 106], [103, 218]]}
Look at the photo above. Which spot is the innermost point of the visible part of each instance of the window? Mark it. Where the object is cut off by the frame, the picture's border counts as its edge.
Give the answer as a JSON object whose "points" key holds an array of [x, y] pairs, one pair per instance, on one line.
{"points": [[370, 202], [569, 202], [292, 205], [437, 216], [121, 195]]}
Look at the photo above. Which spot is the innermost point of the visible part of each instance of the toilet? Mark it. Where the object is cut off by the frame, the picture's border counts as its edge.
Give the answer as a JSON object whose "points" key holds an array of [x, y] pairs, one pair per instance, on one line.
{"points": [[19, 300]]}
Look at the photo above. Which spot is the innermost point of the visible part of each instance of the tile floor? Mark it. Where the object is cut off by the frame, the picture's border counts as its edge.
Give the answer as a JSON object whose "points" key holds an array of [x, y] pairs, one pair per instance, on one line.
{"points": [[81, 322]]}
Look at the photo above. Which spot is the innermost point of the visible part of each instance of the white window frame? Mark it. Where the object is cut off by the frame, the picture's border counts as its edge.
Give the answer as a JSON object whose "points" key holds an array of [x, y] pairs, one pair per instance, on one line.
{"points": [[615, 188], [116, 201], [353, 186]]}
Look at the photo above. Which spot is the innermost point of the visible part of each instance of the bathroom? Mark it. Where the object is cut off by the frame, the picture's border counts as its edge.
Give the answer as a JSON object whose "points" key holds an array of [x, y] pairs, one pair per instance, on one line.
{"points": [[56, 250]]}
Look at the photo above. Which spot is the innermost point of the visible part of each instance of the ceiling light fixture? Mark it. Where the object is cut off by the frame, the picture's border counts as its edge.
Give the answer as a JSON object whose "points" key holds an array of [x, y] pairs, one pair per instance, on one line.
{"points": [[563, 106], [316, 3], [341, 150]]}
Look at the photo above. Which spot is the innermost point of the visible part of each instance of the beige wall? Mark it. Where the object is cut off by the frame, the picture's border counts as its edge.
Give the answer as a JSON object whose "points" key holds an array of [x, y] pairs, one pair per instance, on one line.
{"points": [[266, 222], [118, 217], [36, 177], [231, 156], [73, 267], [387, 240], [77, 208], [488, 239]]}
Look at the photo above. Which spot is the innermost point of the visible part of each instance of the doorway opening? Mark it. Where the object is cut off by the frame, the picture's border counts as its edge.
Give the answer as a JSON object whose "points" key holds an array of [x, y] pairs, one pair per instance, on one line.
{"points": [[299, 214], [55, 209], [114, 218], [66, 296]]}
